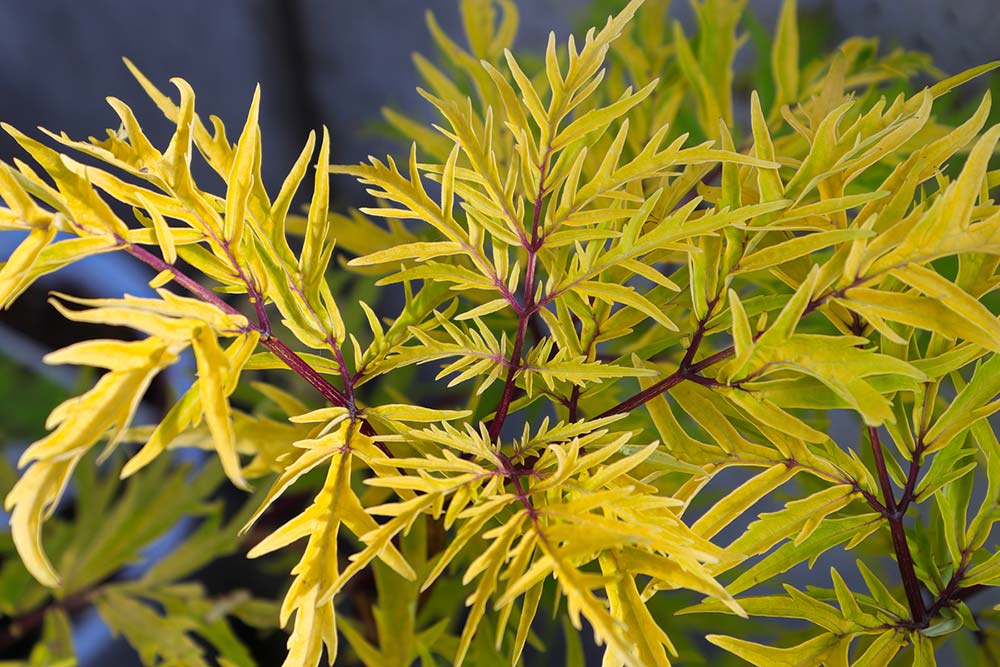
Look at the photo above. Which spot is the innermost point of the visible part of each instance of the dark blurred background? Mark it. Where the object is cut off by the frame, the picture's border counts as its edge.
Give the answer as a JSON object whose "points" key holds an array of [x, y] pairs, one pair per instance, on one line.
{"points": [[337, 62], [319, 62]]}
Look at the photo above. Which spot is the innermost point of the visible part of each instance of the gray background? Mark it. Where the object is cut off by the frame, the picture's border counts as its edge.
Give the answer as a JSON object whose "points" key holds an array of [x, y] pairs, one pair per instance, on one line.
{"points": [[333, 62]]}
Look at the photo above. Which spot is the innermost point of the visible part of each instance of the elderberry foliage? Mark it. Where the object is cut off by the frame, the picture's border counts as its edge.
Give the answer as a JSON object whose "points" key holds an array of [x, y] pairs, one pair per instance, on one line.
{"points": [[627, 290]]}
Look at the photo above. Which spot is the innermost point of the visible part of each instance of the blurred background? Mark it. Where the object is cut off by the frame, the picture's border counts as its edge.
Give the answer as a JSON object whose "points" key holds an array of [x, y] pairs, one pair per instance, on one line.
{"points": [[338, 63], [334, 63]]}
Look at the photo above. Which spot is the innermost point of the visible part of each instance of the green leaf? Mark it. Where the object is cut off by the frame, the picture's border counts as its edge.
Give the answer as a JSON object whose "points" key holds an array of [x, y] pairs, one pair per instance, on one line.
{"points": [[800, 517], [740, 499], [785, 56], [800, 246], [923, 651], [154, 636], [881, 593], [55, 648], [882, 650], [612, 293], [969, 406], [795, 605], [828, 534], [815, 651]]}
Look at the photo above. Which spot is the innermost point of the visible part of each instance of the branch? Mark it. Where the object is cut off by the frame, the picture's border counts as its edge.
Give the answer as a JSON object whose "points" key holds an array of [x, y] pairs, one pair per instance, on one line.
{"points": [[688, 370], [291, 359], [526, 310], [20, 626], [953, 589], [894, 515], [909, 491]]}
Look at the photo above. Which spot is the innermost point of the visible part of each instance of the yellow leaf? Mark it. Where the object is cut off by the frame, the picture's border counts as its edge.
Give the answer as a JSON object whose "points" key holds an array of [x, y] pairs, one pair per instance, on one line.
{"points": [[213, 372], [279, 209], [600, 119], [484, 309], [415, 413], [785, 56], [35, 495], [15, 275], [187, 412], [164, 236], [315, 620], [725, 511], [115, 355], [913, 310], [799, 516], [241, 176], [80, 201], [216, 150], [420, 251], [314, 453], [103, 412], [967, 307], [528, 94], [614, 293], [650, 641], [81, 421], [768, 180], [816, 651], [797, 247], [312, 262]]}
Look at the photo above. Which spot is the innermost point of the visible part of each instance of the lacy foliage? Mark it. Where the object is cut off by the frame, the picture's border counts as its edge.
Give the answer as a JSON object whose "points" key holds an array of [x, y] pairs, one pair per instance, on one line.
{"points": [[624, 313]]}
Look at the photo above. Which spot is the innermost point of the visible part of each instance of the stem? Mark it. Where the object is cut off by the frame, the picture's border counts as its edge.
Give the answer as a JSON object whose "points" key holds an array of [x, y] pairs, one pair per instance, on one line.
{"points": [[507, 397], [513, 473], [688, 370], [692, 369], [953, 589], [904, 559], [573, 405], [893, 513], [590, 351], [883, 472], [182, 279], [909, 494], [304, 370], [20, 626], [526, 310], [909, 491], [646, 394], [268, 340]]}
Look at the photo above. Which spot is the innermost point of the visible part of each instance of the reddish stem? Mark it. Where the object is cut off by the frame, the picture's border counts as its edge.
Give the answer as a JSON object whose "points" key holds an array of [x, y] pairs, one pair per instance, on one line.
{"points": [[688, 370], [647, 394], [304, 370], [17, 628], [904, 559], [573, 405], [910, 490], [179, 277], [954, 591], [268, 340], [693, 369], [525, 312]]}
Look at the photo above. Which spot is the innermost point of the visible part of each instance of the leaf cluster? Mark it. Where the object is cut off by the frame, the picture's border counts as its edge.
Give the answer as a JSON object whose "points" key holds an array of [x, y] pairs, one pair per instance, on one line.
{"points": [[628, 302]]}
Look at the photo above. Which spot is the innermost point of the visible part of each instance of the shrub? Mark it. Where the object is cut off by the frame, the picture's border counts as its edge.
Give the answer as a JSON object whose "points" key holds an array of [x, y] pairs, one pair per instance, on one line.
{"points": [[624, 314]]}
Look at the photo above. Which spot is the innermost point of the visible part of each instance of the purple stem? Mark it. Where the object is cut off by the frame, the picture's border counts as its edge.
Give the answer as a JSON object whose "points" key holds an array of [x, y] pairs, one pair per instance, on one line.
{"points": [[894, 515], [524, 314], [268, 340]]}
